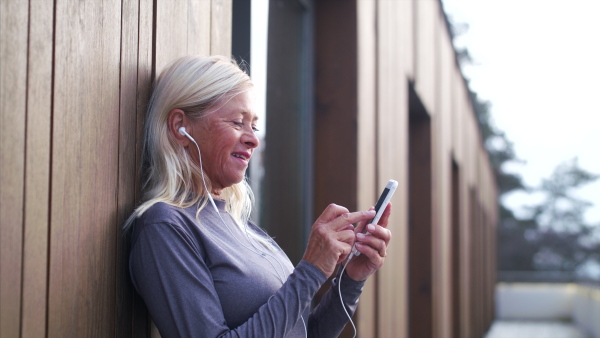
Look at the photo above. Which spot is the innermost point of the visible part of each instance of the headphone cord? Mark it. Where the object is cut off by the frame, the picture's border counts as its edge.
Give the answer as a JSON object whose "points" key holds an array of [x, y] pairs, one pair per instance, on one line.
{"points": [[259, 252], [340, 292]]}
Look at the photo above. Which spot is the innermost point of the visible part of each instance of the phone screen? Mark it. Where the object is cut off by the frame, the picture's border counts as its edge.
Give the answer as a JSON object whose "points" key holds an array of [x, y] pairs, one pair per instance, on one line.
{"points": [[378, 206]]}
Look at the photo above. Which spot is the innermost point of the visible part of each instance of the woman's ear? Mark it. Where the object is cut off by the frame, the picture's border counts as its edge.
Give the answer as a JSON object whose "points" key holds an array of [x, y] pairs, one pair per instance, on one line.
{"points": [[176, 120]]}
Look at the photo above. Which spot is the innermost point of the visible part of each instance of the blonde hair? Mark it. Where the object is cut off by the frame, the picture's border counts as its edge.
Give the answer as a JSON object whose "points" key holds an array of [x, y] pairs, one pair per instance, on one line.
{"points": [[195, 85]]}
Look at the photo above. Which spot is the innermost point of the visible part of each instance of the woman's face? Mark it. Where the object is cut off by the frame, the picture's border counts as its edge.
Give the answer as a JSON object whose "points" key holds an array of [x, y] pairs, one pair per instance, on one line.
{"points": [[226, 139]]}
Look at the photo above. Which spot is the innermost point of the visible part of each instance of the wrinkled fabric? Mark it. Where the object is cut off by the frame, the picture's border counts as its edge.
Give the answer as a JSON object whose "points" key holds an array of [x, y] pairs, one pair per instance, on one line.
{"points": [[206, 278]]}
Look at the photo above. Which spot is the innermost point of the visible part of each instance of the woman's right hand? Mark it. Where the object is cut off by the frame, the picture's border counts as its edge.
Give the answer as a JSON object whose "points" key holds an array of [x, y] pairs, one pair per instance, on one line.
{"points": [[332, 237]]}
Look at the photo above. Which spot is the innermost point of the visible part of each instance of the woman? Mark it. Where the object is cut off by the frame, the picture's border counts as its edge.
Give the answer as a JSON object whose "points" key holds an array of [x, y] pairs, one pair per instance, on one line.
{"points": [[202, 268]]}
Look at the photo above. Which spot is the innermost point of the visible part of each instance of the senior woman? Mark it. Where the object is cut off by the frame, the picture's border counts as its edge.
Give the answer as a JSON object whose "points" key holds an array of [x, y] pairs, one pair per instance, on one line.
{"points": [[201, 266]]}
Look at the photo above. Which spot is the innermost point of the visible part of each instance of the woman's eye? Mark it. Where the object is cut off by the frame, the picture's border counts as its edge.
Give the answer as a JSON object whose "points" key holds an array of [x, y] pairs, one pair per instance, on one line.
{"points": [[255, 129]]}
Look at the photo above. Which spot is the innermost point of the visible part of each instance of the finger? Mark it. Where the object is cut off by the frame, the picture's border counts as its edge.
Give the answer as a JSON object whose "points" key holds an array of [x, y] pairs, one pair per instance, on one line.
{"points": [[376, 243], [361, 225], [346, 251], [380, 232], [373, 255], [352, 217], [331, 212], [348, 227], [383, 221], [346, 236]]}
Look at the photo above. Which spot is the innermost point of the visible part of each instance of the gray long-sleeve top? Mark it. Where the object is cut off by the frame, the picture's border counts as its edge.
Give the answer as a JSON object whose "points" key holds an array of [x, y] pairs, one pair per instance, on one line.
{"points": [[208, 279]]}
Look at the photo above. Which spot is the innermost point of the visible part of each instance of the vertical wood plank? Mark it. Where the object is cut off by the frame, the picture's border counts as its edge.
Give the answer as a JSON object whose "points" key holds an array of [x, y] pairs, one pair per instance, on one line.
{"points": [[366, 144], [438, 181], [171, 31], [393, 60], [336, 108], [84, 169], [184, 27], [198, 28], [13, 82], [425, 56], [444, 62], [37, 176], [127, 162], [146, 70], [220, 30]]}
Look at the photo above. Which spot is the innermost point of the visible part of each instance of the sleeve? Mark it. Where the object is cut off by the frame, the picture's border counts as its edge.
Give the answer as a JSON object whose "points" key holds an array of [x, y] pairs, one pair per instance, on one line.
{"points": [[169, 273], [328, 319]]}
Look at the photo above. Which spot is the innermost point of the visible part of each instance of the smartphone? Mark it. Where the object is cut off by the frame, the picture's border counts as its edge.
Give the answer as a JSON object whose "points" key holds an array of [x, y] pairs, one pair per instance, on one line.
{"points": [[382, 202]]}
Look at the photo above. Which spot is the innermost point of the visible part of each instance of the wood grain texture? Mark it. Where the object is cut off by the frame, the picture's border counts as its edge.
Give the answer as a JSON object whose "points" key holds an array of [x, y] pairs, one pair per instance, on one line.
{"points": [[426, 14], [442, 162], [84, 169], [366, 145], [184, 27], [393, 60], [220, 28], [171, 32], [127, 163], [37, 175], [13, 96], [199, 28]]}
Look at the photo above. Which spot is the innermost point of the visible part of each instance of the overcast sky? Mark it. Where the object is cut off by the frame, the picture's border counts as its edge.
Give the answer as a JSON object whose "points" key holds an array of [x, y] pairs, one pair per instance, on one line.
{"points": [[538, 63]]}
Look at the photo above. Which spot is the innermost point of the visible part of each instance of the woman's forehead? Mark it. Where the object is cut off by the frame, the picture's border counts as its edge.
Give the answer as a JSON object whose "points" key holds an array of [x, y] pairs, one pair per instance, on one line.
{"points": [[239, 104]]}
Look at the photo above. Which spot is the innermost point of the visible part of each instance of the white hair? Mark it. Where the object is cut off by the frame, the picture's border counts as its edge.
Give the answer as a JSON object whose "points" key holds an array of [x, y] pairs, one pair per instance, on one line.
{"points": [[193, 84]]}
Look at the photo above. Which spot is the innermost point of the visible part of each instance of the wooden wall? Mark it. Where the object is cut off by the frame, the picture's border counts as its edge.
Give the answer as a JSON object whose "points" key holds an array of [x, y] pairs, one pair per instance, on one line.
{"points": [[74, 83], [75, 80], [404, 47]]}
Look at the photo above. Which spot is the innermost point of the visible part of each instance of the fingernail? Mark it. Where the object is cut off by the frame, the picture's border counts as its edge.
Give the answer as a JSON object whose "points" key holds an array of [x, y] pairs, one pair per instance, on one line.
{"points": [[371, 227], [360, 236]]}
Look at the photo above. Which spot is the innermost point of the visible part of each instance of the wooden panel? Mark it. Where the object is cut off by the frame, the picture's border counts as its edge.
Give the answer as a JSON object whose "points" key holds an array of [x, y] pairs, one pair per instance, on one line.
{"points": [[366, 152], [456, 107], [84, 169], [335, 84], [392, 159], [421, 176], [128, 155], [457, 244], [336, 108], [405, 30], [220, 28], [37, 176], [426, 14], [444, 61], [199, 26], [140, 318], [184, 27], [13, 68], [465, 252], [171, 31]]}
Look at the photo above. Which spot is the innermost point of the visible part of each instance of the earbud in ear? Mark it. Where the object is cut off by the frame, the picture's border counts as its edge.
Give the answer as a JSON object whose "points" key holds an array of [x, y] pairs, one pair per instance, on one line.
{"points": [[182, 132]]}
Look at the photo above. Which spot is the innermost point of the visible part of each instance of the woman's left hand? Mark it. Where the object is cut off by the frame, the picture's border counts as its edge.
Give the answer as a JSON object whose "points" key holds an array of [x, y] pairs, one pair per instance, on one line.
{"points": [[372, 247]]}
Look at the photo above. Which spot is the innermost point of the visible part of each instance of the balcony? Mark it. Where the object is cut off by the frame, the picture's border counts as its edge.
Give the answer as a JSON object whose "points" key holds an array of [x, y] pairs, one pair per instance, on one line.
{"points": [[552, 305]]}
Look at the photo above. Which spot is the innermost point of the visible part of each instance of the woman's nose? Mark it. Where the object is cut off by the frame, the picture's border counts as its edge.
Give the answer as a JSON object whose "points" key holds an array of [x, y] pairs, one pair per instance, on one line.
{"points": [[250, 139]]}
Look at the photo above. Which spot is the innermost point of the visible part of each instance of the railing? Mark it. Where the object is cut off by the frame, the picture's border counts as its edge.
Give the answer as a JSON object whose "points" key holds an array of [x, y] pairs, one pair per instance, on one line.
{"points": [[549, 296]]}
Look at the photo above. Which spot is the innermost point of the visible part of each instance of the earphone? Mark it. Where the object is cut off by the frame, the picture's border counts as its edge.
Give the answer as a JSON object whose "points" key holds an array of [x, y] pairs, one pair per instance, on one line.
{"points": [[182, 132]]}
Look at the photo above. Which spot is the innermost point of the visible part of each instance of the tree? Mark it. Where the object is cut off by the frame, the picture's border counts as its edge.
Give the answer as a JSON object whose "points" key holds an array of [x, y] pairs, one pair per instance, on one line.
{"points": [[563, 240], [555, 236]]}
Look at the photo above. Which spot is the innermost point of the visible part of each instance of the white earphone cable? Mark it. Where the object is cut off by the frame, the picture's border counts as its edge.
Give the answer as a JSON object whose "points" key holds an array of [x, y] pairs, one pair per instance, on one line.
{"points": [[259, 252], [340, 292]]}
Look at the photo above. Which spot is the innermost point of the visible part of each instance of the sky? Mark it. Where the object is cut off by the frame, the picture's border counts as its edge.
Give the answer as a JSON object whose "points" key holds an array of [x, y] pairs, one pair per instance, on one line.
{"points": [[538, 63]]}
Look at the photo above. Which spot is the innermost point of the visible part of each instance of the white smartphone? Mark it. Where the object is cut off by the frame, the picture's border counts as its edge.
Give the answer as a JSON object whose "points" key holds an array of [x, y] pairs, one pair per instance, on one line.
{"points": [[382, 202]]}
